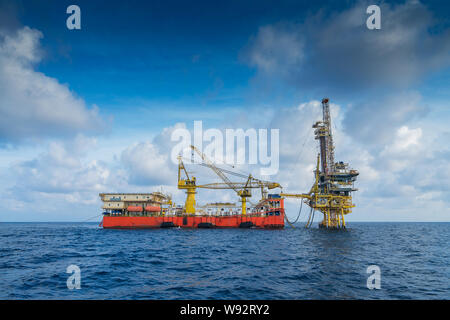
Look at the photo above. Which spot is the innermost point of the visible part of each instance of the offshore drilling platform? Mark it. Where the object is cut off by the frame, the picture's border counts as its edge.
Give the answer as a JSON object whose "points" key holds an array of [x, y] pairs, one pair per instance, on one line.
{"points": [[334, 181], [330, 194]]}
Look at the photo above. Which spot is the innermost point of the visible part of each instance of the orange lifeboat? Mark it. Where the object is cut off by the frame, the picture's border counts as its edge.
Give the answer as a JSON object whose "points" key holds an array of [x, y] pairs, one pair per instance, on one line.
{"points": [[134, 209], [152, 209]]}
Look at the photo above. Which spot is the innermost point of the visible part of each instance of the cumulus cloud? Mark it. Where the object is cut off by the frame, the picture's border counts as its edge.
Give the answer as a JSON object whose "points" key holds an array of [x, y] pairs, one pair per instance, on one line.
{"points": [[69, 174], [297, 145], [61, 183], [336, 49], [375, 121], [61, 169], [149, 163], [33, 105], [146, 164]]}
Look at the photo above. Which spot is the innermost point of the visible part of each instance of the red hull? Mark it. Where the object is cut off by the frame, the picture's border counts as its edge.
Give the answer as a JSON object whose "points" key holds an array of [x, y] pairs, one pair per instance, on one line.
{"points": [[238, 221]]}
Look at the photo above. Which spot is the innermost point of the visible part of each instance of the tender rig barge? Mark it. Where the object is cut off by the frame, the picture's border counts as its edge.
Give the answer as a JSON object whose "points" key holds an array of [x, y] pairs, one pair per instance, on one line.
{"points": [[330, 195]]}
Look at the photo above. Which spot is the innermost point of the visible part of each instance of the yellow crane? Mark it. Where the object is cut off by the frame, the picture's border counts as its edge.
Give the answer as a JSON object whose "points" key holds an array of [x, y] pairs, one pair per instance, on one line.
{"points": [[242, 189]]}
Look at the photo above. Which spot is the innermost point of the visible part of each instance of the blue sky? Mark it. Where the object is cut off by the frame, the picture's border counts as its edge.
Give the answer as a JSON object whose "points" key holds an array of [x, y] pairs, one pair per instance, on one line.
{"points": [[83, 109]]}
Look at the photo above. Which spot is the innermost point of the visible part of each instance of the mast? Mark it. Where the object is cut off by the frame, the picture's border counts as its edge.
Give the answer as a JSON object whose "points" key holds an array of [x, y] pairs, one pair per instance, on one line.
{"points": [[329, 149], [324, 135]]}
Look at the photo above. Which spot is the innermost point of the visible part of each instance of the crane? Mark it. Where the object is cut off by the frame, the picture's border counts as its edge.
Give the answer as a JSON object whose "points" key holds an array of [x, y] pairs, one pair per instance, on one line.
{"points": [[242, 189]]}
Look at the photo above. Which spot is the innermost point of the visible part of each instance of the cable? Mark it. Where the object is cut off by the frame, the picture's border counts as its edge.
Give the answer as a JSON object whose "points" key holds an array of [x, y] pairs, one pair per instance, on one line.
{"points": [[305, 140], [92, 218], [309, 218], [299, 213], [224, 170], [310, 221]]}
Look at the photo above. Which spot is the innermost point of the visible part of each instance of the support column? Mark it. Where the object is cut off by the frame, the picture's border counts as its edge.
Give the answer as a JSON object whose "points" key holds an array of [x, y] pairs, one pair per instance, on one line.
{"points": [[190, 201], [329, 218], [244, 205]]}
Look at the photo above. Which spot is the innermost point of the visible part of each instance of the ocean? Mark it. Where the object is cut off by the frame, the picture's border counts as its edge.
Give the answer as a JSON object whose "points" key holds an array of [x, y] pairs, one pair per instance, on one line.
{"points": [[413, 260]]}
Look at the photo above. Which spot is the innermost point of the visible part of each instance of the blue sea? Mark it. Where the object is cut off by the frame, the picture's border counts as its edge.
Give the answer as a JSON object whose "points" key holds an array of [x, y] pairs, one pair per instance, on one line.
{"points": [[298, 263]]}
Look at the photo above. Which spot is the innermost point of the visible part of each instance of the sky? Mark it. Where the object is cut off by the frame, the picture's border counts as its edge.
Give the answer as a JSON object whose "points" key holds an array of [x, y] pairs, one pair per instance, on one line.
{"points": [[92, 110]]}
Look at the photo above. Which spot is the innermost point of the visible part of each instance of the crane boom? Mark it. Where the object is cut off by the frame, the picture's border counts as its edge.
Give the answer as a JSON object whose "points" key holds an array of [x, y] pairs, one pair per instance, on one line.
{"points": [[242, 190], [219, 172], [251, 181], [238, 185]]}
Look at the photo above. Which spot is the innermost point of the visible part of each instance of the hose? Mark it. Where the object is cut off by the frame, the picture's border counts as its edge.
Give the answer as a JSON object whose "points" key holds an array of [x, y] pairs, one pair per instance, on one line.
{"points": [[310, 221], [299, 213]]}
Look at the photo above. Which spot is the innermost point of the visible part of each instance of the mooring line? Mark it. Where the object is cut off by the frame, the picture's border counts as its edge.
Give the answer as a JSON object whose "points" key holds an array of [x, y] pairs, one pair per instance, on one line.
{"points": [[92, 217]]}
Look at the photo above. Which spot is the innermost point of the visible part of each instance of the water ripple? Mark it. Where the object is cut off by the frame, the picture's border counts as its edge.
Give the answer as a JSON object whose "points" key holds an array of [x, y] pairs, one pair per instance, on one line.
{"points": [[224, 264]]}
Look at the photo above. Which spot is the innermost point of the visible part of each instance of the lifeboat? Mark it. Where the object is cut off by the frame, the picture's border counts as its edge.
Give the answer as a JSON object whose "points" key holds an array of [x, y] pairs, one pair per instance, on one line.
{"points": [[134, 209], [152, 209]]}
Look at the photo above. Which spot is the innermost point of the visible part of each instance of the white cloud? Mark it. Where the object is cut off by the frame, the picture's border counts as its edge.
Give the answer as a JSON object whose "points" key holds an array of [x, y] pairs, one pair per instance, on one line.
{"points": [[406, 145], [335, 49], [65, 178], [276, 50], [297, 145], [146, 165], [375, 122], [33, 105], [61, 170]]}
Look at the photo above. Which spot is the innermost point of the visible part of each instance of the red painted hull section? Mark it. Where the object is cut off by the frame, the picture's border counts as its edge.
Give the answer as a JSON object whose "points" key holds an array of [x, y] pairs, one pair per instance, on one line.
{"points": [[138, 222]]}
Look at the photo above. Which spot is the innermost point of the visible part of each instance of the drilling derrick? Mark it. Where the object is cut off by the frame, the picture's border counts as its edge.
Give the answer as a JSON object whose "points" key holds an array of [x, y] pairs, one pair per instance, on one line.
{"points": [[334, 181], [323, 134]]}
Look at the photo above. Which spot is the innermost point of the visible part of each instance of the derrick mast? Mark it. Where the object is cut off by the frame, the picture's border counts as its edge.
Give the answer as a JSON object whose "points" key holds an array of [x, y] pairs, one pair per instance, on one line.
{"points": [[325, 137]]}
